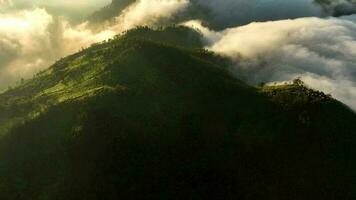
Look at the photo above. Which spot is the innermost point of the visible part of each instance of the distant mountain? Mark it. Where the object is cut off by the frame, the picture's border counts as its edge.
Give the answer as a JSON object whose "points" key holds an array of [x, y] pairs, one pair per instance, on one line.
{"points": [[151, 115]]}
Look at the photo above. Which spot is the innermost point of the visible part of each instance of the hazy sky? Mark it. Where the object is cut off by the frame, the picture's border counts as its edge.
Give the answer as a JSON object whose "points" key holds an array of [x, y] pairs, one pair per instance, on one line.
{"points": [[72, 9], [36, 33], [58, 3]]}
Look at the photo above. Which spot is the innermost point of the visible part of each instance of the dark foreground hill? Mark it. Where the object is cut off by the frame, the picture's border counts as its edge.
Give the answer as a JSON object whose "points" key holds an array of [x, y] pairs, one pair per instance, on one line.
{"points": [[144, 117]]}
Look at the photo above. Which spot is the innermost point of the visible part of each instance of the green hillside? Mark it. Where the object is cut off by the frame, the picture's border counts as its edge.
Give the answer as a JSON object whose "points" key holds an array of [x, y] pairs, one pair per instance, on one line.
{"points": [[150, 115]]}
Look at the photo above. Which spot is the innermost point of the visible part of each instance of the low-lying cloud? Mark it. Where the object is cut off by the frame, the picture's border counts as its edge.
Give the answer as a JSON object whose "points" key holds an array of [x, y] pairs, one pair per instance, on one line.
{"points": [[320, 51], [230, 13], [149, 13]]}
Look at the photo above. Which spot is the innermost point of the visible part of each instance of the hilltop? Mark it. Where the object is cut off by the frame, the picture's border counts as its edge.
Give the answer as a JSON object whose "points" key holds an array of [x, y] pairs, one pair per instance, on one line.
{"points": [[150, 114]]}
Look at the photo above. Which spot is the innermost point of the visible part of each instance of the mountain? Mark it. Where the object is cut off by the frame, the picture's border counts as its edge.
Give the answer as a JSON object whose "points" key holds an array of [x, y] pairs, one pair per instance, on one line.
{"points": [[152, 115]]}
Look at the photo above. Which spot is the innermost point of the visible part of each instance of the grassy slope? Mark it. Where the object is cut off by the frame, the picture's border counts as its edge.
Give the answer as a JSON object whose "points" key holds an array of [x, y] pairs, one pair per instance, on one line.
{"points": [[136, 118]]}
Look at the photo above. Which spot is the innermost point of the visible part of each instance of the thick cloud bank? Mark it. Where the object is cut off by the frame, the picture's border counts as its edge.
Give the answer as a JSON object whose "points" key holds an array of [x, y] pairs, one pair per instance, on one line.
{"points": [[320, 51]]}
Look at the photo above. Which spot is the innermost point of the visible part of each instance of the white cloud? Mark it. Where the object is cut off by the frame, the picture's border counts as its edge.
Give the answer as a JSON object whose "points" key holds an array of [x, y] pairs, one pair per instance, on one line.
{"points": [[73, 10], [321, 51], [81, 36], [149, 12], [23, 36], [32, 40], [84, 4]]}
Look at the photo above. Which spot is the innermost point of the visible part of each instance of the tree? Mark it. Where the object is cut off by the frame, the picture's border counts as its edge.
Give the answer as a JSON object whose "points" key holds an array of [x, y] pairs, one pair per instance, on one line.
{"points": [[298, 81]]}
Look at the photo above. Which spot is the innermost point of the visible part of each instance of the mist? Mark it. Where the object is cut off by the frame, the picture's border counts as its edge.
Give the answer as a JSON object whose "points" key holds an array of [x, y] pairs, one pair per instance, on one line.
{"points": [[338, 7], [230, 13], [74, 11], [319, 51], [32, 39], [223, 14], [267, 40], [149, 13]]}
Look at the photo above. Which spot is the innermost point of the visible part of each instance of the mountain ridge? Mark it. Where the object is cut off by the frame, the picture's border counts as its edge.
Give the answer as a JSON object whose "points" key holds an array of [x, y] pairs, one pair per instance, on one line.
{"points": [[151, 114]]}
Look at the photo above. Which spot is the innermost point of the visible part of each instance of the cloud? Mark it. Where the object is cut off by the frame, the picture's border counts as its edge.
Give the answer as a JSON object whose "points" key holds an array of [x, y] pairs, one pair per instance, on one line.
{"points": [[229, 13], [81, 36], [73, 10], [23, 35], [59, 4], [321, 51], [223, 14], [149, 12], [338, 7], [32, 40], [218, 14]]}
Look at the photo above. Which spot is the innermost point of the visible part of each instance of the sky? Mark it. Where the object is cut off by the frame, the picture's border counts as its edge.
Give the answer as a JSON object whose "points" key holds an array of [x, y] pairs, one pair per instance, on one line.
{"points": [[83, 4], [267, 40], [74, 10]]}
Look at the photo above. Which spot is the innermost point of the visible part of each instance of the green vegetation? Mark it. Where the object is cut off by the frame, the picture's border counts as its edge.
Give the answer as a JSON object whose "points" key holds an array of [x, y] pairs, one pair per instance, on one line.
{"points": [[149, 115]]}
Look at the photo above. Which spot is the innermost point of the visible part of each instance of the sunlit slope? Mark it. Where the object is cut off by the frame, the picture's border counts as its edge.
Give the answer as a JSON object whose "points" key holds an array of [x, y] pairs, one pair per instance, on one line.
{"points": [[141, 116], [86, 73]]}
